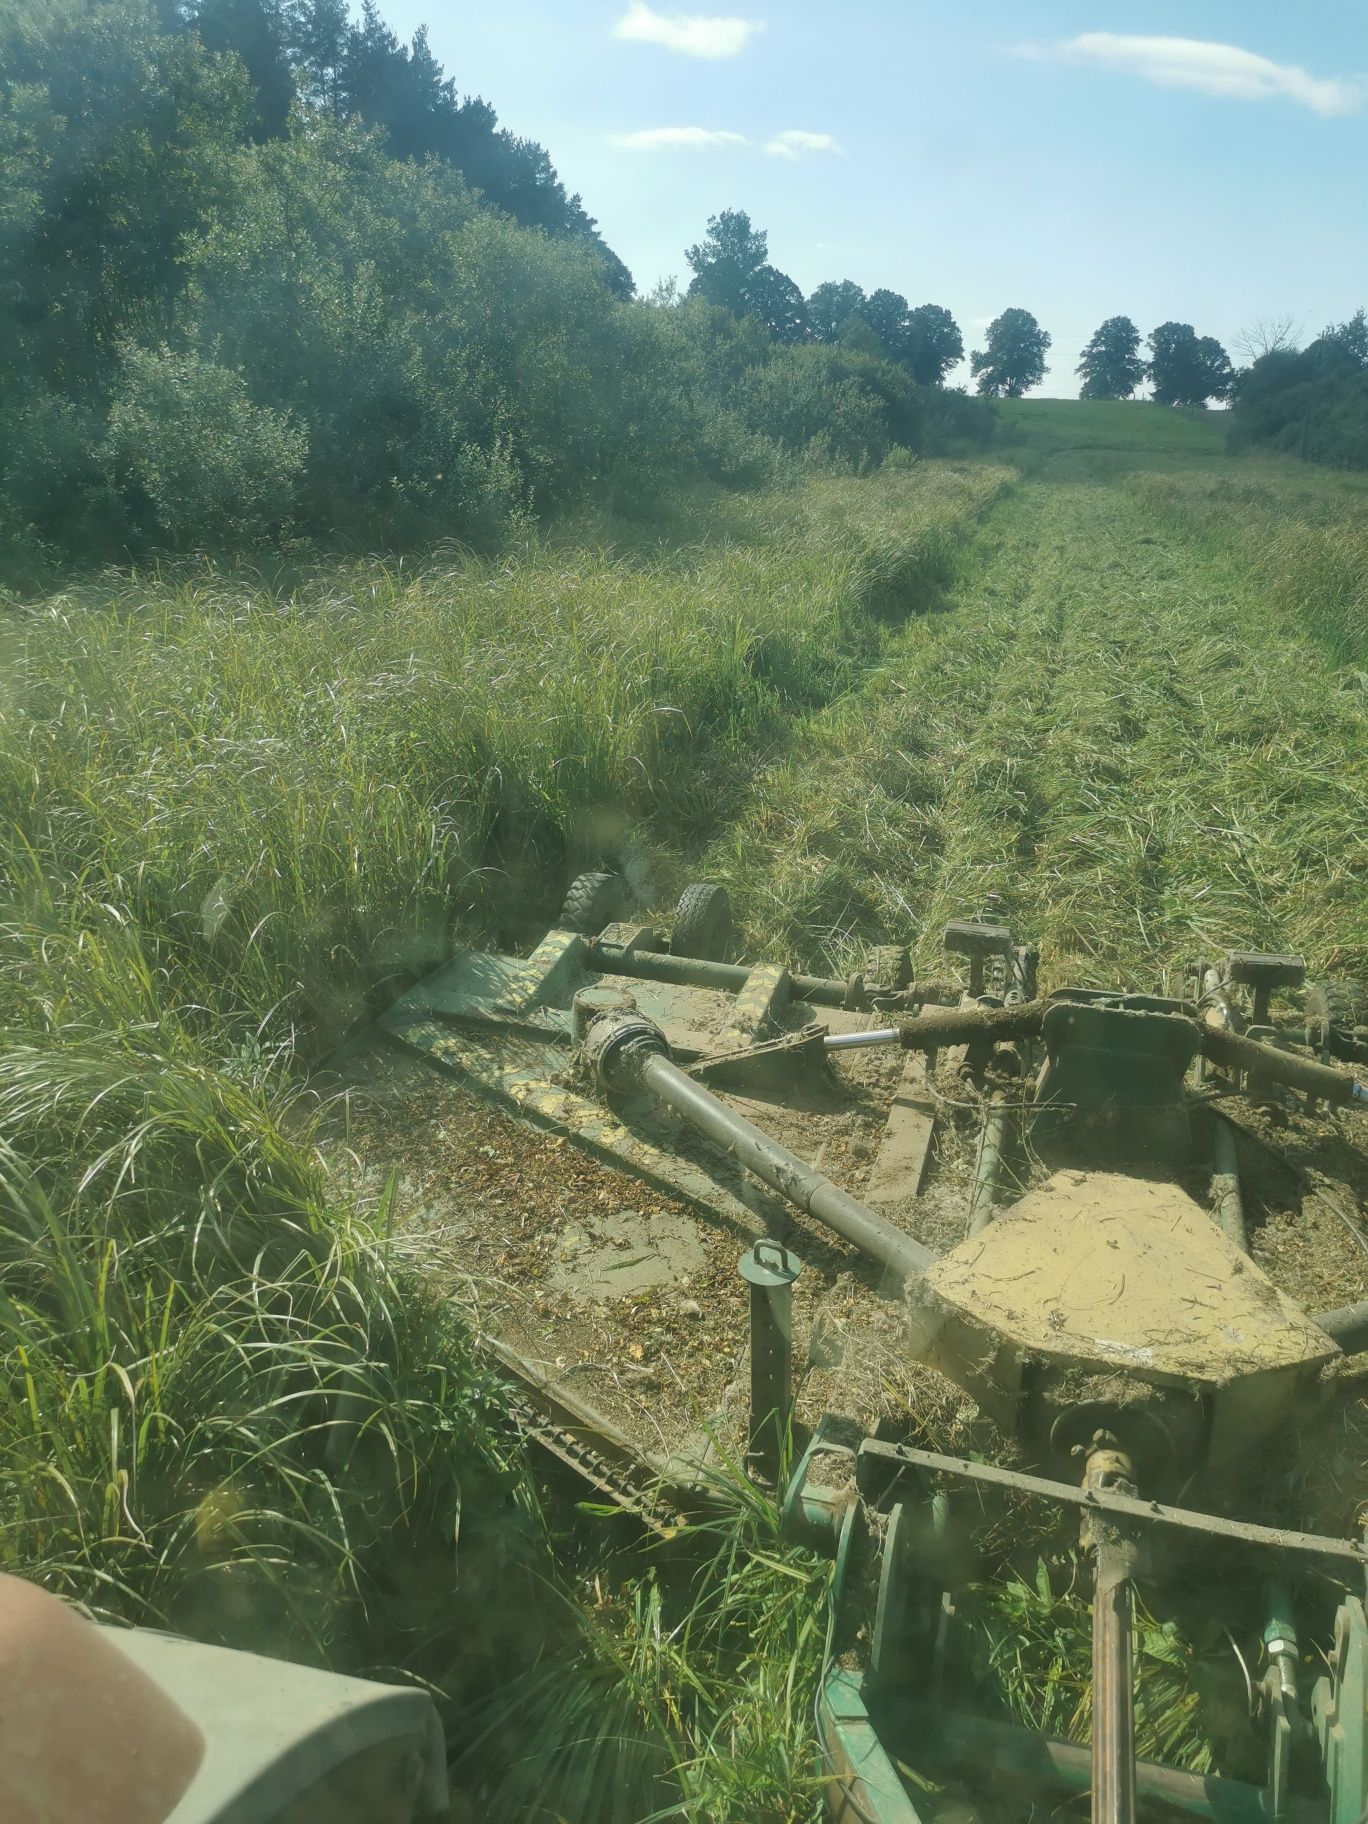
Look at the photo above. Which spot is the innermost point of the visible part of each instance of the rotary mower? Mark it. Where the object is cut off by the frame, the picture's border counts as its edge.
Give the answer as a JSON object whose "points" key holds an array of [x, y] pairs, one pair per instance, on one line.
{"points": [[1089, 1280]]}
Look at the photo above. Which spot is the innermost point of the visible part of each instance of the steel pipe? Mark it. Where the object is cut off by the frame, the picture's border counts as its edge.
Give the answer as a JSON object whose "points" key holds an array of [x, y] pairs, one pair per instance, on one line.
{"points": [[988, 1166], [729, 978], [1227, 1203], [629, 1052], [801, 1183], [1113, 1728], [769, 1270], [1237, 1052], [1348, 1326], [1233, 1050], [852, 1041], [1113, 1667]]}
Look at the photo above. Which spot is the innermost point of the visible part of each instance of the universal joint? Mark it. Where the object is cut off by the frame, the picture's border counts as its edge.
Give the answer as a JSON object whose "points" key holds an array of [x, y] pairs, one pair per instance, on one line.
{"points": [[618, 1046]]}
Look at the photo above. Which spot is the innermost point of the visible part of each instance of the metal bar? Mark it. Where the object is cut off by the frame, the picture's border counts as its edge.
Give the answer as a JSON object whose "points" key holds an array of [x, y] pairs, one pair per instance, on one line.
{"points": [[1113, 1677], [851, 1041], [731, 978], [1130, 1507], [769, 1270], [1348, 1326], [1236, 1052], [1227, 1204], [988, 1168], [1280, 1692], [928, 1031], [1109, 1470], [967, 1025], [1008, 1752], [802, 1184]]}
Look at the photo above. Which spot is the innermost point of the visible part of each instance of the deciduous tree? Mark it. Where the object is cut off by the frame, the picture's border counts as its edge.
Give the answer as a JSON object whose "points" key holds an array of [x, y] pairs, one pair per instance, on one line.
{"points": [[1112, 365], [1014, 358], [831, 306], [257, 32], [887, 314], [732, 270], [1187, 369], [934, 344]]}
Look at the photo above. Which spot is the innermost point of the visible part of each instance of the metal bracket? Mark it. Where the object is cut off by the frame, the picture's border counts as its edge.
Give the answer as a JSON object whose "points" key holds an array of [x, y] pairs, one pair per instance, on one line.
{"points": [[876, 1460]]}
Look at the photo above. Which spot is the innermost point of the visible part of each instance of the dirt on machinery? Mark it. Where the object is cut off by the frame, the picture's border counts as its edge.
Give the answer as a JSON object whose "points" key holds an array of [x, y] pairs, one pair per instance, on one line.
{"points": [[627, 1295], [630, 1297]]}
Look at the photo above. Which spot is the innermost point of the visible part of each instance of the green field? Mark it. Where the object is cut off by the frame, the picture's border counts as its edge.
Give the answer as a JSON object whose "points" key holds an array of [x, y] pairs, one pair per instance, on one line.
{"points": [[1106, 681], [1130, 727]]}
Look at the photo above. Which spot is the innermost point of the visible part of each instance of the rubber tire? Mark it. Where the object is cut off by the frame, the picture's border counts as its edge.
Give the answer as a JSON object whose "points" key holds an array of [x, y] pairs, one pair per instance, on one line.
{"points": [[1336, 1006], [594, 900], [703, 923]]}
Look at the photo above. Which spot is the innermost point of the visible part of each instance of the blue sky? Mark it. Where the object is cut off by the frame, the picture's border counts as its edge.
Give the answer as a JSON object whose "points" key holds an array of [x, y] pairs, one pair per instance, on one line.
{"points": [[1204, 161]]}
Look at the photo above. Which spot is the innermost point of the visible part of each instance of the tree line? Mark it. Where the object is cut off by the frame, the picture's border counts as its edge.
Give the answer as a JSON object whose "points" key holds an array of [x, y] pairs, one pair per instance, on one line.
{"points": [[311, 51], [1310, 402], [262, 271], [732, 270]]}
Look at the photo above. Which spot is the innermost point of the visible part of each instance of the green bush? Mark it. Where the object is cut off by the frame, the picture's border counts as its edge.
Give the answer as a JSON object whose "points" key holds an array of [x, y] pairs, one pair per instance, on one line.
{"points": [[195, 455], [225, 1406], [957, 421], [1310, 402], [831, 402], [53, 476]]}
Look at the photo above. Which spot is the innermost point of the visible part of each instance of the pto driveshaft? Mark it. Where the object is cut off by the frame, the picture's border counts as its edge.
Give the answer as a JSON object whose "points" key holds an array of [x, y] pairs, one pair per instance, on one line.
{"points": [[628, 1052]]}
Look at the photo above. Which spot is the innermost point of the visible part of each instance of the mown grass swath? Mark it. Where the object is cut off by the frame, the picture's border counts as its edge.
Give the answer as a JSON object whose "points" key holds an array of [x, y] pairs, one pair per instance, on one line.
{"points": [[1121, 737]]}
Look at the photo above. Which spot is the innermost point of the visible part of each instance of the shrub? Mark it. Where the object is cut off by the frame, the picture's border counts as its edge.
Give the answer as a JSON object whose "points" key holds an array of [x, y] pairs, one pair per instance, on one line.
{"points": [[191, 449], [956, 420], [852, 407], [53, 476]]}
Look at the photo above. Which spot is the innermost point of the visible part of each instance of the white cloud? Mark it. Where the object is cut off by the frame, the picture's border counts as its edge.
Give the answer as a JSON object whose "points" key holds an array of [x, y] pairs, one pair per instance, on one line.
{"points": [[691, 34], [1222, 70], [793, 143], [676, 139]]}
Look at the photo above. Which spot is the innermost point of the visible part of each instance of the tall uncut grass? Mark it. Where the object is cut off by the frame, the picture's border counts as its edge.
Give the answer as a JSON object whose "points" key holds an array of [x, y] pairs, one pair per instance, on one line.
{"points": [[225, 1408], [234, 813], [1302, 530], [689, 1695], [294, 792]]}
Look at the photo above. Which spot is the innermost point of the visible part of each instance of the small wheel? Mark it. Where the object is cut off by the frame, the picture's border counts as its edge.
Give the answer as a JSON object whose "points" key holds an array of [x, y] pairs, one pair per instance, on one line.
{"points": [[594, 900], [703, 923], [888, 969], [1337, 1015]]}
